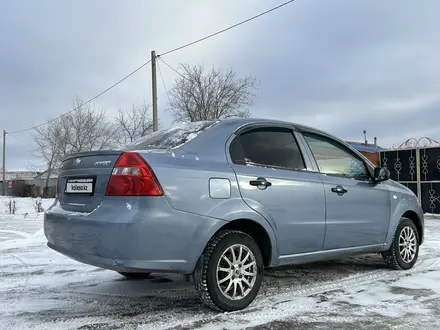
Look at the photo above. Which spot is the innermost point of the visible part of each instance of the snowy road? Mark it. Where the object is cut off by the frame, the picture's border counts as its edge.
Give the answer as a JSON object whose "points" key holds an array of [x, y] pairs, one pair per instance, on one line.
{"points": [[44, 290]]}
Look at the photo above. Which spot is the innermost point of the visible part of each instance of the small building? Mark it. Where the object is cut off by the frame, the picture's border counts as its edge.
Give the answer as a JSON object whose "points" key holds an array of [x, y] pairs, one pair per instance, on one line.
{"points": [[11, 177], [29, 184], [43, 185], [17, 175], [371, 151]]}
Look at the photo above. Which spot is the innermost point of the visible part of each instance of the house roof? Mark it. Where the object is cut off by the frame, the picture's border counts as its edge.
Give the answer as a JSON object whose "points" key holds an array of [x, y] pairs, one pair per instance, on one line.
{"points": [[365, 147], [43, 175], [18, 175]]}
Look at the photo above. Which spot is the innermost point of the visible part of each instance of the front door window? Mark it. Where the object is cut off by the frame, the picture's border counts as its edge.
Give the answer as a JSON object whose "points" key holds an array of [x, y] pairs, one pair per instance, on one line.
{"points": [[334, 159]]}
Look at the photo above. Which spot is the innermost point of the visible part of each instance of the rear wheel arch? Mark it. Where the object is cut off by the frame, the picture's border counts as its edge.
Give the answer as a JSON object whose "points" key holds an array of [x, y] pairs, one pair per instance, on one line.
{"points": [[417, 222], [257, 232]]}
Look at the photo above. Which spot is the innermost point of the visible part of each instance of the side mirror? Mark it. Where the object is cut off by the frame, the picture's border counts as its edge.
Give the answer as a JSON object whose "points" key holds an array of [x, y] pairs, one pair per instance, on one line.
{"points": [[381, 174]]}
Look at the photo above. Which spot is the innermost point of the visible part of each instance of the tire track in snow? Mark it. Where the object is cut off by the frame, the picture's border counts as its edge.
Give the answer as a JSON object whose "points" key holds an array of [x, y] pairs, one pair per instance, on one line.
{"points": [[15, 232], [180, 306], [275, 301]]}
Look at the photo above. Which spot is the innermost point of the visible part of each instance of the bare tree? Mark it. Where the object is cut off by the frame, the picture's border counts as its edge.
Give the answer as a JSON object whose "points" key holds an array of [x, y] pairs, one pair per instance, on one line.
{"points": [[133, 124], [84, 129], [216, 94], [50, 140], [87, 129]]}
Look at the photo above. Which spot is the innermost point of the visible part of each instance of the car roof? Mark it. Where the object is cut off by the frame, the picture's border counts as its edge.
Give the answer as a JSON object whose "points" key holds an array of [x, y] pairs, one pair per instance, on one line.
{"points": [[231, 125], [245, 121], [211, 143]]}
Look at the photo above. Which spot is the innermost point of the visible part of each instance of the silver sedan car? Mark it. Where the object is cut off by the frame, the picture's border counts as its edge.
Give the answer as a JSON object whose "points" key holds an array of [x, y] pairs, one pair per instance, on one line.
{"points": [[221, 201]]}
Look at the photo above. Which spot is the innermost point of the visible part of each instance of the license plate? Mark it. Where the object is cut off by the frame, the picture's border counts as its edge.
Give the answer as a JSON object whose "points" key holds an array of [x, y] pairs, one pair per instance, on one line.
{"points": [[79, 186]]}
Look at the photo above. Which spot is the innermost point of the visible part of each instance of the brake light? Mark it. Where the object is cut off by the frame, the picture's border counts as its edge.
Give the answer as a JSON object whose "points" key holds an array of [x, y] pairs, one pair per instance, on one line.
{"points": [[132, 176]]}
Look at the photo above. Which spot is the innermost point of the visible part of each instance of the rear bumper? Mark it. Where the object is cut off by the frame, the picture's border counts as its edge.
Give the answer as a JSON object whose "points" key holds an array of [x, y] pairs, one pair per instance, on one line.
{"points": [[146, 236], [120, 265]]}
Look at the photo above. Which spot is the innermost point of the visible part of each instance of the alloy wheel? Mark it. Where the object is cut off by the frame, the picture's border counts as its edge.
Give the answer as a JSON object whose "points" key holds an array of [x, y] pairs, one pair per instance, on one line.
{"points": [[407, 244], [236, 272]]}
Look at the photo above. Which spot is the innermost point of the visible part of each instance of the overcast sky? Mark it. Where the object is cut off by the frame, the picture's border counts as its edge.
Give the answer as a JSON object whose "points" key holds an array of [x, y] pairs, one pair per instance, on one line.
{"points": [[341, 65]]}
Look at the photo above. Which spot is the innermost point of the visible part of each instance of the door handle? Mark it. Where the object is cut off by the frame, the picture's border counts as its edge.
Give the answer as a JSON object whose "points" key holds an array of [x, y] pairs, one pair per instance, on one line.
{"points": [[339, 190], [261, 183]]}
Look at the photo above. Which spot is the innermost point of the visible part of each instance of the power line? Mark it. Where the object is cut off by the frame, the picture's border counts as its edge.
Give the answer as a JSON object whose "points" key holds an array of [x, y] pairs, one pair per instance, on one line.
{"points": [[20, 140], [163, 82], [85, 103], [165, 53], [226, 29], [172, 68]]}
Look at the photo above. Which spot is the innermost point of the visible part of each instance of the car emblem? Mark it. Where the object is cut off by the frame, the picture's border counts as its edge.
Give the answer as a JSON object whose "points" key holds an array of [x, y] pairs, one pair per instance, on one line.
{"points": [[102, 162], [77, 161]]}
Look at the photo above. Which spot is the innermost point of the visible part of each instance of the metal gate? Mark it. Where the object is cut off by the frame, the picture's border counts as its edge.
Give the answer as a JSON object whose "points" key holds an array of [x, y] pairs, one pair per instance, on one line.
{"points": [[418, 168]]}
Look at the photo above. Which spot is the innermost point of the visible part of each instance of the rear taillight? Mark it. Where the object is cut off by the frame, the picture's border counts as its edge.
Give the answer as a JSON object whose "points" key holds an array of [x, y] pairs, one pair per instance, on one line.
{"points": [[57, 188], [131, 176]]}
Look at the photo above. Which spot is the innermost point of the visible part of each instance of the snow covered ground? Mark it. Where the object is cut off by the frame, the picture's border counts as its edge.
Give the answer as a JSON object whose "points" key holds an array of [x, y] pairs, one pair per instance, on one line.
{"points": [[41, 289]]}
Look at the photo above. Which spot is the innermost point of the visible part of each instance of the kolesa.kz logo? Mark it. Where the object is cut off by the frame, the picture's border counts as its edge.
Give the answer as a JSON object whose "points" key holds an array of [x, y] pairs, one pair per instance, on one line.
{"points": [[78, 187]]}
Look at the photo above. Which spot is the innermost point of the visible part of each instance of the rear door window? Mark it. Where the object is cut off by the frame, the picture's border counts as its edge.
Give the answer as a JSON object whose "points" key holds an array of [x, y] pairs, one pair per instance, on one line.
{"points": [[272, 147]]}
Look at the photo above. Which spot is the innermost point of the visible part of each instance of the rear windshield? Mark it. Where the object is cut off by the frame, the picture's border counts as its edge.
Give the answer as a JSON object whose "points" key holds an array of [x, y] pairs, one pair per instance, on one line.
{"points": [[172, 137]]}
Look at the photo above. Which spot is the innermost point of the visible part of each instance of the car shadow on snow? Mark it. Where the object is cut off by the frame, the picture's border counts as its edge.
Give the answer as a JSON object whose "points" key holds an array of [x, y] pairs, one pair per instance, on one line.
{"points": [[170, 285], [167, 296]]}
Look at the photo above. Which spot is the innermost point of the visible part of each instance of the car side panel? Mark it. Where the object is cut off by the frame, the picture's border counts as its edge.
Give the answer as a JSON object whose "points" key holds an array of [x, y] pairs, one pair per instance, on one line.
{"points": [[359, 217], [401, 201], [185, 181], [233, 209], [295, 204]]}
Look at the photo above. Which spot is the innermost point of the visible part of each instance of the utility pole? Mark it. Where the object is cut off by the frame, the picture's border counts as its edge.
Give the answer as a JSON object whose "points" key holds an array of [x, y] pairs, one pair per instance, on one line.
{"points": [[4, 163], [154, 89]]}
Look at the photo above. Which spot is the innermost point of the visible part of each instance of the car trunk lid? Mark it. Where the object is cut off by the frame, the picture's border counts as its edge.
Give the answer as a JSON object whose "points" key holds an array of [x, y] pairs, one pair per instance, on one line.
{"points": [[83, 179]]}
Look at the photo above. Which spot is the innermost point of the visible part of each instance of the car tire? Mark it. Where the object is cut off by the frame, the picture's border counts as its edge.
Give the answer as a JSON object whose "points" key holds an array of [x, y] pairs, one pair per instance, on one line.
{"points": [[135, 276], [404, 250], [218, 274]]}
